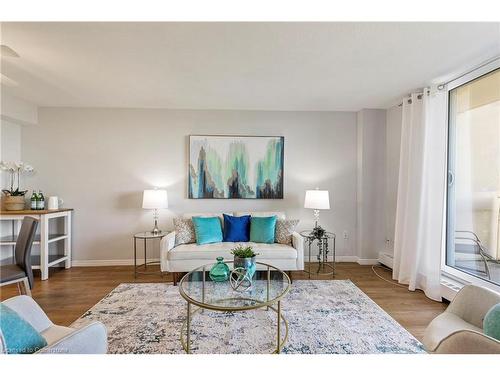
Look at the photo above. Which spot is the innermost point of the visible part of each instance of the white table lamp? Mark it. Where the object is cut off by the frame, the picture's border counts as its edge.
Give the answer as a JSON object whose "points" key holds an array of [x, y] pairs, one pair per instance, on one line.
{"points": [[154, 200], [317, 200]]}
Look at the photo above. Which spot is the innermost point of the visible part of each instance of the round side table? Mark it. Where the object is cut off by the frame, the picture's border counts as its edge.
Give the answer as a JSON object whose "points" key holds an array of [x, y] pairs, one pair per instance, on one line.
{"points": [[324, 267], [145, 236]]}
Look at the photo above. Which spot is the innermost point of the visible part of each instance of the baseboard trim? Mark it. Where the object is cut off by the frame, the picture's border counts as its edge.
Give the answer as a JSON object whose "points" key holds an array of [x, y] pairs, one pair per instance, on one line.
{"points": [[346, 259], [130, 262], [368, 262], [108, 262]]}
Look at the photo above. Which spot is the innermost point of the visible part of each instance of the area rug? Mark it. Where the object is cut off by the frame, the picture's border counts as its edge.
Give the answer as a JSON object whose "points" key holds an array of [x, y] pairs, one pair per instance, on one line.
{"points": [[324, 317]]}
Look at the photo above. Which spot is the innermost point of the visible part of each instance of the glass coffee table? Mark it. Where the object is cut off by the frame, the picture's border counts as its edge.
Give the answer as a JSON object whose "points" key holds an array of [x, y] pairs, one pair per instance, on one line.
{"points": [[269, 286]]}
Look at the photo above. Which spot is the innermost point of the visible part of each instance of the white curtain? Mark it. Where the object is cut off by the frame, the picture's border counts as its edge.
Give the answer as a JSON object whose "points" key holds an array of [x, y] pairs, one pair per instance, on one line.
{"points": [[421, 193]]}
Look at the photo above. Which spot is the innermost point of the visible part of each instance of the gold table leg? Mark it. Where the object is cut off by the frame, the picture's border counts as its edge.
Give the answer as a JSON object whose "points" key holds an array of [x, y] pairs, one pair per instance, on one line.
{"points": [[188, 334], [278, 349]]}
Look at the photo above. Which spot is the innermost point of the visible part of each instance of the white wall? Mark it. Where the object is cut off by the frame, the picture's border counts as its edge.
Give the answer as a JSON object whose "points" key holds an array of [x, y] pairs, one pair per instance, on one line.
{"points": [[10, 150], [17, 111], [10, 147], [14, 114], [100, 160], [371, 162], [393, 146]]}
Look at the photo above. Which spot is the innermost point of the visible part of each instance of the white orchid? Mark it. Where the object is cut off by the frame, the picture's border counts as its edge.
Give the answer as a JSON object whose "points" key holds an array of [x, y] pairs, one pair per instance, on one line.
{"points": [[23, 167], [15, 169], [28, 168], [8, 166]]}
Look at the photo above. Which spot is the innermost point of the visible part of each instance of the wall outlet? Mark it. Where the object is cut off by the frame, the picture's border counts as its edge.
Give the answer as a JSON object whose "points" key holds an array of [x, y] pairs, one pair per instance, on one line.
{"points": [[346, 235]]}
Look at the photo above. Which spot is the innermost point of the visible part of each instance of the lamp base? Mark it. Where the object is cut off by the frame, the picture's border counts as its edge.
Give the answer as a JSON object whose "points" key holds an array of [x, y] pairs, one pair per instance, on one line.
{"points": [[156, 231], [316, 218]]}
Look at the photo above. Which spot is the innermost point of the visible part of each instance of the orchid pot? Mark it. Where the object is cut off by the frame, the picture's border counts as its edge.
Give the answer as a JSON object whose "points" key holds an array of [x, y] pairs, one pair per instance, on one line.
{"points": [[14, 202], [14, 197]]}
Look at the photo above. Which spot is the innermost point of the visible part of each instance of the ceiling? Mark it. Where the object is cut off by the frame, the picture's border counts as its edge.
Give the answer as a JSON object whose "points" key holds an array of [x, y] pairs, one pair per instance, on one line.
{"points": [[251, 66]]}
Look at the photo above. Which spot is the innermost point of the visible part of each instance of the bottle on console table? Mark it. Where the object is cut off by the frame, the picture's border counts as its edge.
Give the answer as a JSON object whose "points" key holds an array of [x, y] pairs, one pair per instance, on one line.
{"points": [[34, 199], [40, 202]]}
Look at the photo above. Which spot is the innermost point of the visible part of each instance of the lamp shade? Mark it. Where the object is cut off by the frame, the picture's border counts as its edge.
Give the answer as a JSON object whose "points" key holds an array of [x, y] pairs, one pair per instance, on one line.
{"points": [[317, 200], [153, 199]]}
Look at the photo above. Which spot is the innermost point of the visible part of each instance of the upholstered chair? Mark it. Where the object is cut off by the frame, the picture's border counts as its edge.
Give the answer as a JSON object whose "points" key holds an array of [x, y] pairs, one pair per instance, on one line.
{"points": [[90, 339], [459, 330]]}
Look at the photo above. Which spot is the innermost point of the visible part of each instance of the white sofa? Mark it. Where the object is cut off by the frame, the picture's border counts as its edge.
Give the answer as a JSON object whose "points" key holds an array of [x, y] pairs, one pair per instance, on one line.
{"points": [[90, 339], [186, 257]]}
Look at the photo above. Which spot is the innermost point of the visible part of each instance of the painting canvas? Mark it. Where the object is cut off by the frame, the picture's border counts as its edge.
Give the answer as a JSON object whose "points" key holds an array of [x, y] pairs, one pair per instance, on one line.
{"points": [[233, 167]]}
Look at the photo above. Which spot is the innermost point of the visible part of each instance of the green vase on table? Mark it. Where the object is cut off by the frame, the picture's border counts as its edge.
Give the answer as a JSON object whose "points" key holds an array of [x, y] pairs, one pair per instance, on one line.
{"points": [[220, 271]]}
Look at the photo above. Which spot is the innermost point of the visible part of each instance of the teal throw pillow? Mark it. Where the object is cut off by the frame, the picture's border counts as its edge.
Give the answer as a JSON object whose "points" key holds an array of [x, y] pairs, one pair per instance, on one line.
{"points": [[207, 229], [262, 229], [491, 323], [19, 336]]}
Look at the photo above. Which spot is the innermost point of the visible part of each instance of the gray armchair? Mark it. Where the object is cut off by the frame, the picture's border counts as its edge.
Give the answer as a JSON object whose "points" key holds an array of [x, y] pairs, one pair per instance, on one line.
{"points": [[91, 339], [459, 330]]}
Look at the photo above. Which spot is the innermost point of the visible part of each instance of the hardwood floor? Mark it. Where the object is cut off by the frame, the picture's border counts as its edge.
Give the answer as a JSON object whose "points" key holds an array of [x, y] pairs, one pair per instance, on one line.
{"points": [[69, 293]]}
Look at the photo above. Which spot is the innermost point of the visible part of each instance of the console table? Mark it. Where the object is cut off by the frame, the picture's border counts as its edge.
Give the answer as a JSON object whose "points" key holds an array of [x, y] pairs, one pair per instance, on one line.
{"points": [[44, 260]]}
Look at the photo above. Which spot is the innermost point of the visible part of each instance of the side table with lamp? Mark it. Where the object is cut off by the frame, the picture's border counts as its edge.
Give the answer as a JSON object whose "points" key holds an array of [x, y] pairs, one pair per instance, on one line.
{"points": [[319, 200], [151, 200]]}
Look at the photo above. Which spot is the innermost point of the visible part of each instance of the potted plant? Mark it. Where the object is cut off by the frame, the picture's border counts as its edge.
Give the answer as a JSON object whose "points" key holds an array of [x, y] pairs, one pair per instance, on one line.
{"points": [[14, 197], [244, 257]]}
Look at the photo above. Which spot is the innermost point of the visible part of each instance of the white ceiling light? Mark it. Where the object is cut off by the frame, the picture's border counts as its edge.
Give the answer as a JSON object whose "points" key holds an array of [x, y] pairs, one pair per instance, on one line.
{"points": [[4, 80], [6, 51]]}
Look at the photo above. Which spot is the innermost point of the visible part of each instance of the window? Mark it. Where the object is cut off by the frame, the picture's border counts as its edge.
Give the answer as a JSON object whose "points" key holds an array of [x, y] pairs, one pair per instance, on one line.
{"points": [[473, 197]]}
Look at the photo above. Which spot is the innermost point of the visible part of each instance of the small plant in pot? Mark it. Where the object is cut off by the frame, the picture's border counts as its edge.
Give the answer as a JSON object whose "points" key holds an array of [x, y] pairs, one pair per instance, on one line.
{"points": [[14, 197], [244, 257]]}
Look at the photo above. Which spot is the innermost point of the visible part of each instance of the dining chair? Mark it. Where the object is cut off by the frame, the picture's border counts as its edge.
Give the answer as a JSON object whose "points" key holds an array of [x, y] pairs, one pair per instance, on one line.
{"points": [[20, 271]]}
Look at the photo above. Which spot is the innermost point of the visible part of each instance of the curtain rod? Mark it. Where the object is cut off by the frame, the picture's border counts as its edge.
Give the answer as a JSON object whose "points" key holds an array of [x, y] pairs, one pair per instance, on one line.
{"points": [[441, 86], [419, 96]]}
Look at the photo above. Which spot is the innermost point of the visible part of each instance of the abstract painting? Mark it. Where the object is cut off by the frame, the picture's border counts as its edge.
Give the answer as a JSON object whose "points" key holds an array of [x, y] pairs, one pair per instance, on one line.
{"points": [[235, 167]]}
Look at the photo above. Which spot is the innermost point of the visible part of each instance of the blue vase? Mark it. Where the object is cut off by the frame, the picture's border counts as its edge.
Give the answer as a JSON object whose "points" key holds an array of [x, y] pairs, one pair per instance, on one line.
{"points": [[220, 271]]}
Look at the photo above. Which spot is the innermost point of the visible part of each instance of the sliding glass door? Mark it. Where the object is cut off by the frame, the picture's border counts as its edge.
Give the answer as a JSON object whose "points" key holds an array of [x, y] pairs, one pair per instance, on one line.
{"points": [[473, 210]]}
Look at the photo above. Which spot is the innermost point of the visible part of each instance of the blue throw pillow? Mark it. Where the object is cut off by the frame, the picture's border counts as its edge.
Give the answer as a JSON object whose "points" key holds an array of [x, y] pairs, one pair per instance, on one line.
{"points": [[236, 228], [19, 336], [262, 229], [207, 229], [491, 323]]}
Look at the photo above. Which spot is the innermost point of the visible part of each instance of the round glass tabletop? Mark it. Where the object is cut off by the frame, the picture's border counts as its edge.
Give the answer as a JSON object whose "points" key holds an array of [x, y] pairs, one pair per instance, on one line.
{"points": [[269, 285], [143, 235]]}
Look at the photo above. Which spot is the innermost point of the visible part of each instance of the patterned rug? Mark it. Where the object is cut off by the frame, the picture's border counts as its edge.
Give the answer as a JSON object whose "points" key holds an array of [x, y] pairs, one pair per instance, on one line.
{"points": [[324, 317]]}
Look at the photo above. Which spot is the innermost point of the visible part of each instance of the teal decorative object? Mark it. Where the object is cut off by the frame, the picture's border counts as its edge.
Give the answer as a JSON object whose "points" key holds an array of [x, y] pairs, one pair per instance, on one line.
{"points": [[207, 229], [491, 323], [262, 229], [19, 336], [220, 271]]}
